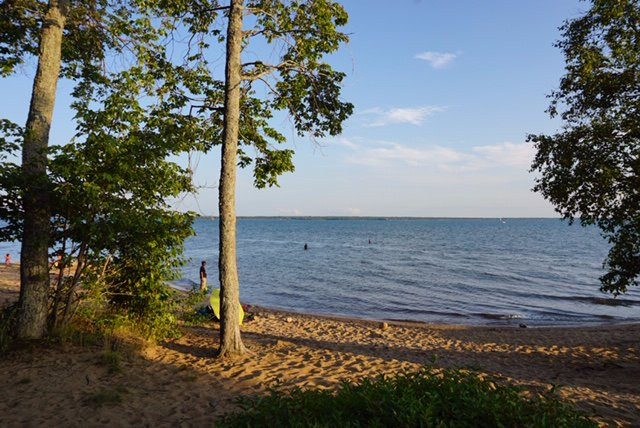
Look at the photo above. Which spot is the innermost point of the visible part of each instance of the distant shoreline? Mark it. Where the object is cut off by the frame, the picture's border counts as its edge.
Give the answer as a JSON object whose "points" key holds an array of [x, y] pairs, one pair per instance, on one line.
{"points": [[378, 218]]}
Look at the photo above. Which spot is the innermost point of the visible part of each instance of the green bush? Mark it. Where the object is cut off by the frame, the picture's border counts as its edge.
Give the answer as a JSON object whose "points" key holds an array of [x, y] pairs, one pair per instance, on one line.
{"points": [[111, 360], [111, 224], [423, 399], [195, 313], [104, 397], [7, 325]]}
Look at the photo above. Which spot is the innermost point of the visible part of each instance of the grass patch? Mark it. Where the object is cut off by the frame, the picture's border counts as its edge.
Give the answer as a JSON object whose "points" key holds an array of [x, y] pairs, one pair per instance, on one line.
{"points": [[78, 333], [449, 398], [8, 316], [111, 360], [104, 397], [117, 342]]}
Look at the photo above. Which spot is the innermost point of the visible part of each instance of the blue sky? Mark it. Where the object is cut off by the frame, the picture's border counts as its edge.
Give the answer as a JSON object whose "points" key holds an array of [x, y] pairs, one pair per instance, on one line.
{"points": [[445, 93]]}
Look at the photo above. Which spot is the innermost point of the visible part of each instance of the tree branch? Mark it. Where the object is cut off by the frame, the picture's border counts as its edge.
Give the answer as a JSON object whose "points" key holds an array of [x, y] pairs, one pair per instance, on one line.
{"points": [[267, 69], [268, 85], [216, 9]]}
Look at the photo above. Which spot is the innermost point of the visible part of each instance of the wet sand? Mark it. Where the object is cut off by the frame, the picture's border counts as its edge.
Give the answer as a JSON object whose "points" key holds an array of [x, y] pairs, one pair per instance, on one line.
{"points": [[180, 383]]}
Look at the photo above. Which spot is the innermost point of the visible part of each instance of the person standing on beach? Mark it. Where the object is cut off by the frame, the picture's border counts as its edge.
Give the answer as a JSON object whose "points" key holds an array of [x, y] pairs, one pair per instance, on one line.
{"points": [[203, 276], [7, 260], [57, 262]]}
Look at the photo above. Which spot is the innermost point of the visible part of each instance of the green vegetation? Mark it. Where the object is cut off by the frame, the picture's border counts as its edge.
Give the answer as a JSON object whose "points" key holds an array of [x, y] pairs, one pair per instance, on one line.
{"points": [[99, 201], [104, 397], [428, 399], [590, 170], [76, 40], [197, 315], [97, 322], [144, 93], [7, 326], [111, 360]]}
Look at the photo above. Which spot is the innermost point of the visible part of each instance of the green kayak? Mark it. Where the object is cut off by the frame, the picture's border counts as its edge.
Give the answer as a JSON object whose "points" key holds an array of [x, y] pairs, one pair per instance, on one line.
{"points": [[214, 301]]}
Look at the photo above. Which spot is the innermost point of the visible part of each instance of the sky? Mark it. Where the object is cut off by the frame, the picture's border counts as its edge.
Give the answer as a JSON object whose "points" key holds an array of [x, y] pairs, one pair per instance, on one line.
{"points": [[445, 93]]}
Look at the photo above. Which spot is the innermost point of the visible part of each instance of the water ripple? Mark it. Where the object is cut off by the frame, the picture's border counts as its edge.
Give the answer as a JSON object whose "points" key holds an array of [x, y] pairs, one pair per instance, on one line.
{"points": [[475, 271]]}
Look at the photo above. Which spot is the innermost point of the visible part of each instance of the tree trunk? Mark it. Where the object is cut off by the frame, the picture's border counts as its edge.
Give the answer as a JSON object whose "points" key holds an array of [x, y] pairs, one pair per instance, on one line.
{"points": [[61, 264], [34, 263], [230, 341]]}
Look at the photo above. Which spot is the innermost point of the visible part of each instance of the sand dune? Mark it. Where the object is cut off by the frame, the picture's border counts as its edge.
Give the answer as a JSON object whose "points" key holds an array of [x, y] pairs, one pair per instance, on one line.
{"points": [[180, 383]]}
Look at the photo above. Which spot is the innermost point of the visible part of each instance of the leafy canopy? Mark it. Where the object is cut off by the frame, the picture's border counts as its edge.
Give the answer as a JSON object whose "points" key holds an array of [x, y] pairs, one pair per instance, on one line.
{"points": [[109, 186], [293, 79], [144, 91], [591, 169]]}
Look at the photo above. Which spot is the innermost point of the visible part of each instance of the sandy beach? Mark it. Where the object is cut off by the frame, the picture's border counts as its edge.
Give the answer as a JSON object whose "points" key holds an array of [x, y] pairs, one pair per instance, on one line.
{"points": [[180, 383]]}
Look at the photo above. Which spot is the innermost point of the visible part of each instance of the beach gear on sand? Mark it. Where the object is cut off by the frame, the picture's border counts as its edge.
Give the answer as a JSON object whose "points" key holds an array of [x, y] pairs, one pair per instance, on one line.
{"points": [[214, 301]]}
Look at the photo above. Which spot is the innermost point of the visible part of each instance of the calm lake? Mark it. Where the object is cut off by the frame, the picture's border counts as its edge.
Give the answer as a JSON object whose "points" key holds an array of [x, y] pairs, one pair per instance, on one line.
{"points": [[463, 271]]}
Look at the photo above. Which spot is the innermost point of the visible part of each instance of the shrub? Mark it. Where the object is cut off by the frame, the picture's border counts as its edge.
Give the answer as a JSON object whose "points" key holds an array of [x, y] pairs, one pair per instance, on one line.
{"points": [[113, 233], [448, 398], [7, 325], [111, 360], [104, 397]]}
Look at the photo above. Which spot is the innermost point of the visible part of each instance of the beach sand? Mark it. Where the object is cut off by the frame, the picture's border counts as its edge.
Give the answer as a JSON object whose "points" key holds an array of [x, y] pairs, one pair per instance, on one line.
{"points": [[180, 383]]}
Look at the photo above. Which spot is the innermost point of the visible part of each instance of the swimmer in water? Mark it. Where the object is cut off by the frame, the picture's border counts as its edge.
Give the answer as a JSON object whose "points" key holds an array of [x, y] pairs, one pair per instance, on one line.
{"points": [[306, 247]]}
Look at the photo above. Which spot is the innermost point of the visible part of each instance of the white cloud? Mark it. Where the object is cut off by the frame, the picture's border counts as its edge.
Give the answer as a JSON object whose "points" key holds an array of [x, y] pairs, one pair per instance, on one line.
{"points": [[437, 59], [394, 152], [346, 143], [504, 155], [411, 115], [507, 154]]}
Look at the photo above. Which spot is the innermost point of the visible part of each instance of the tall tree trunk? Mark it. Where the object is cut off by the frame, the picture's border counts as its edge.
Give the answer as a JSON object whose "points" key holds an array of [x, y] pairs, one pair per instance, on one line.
{"points": [[230, 341], [34, 263]]}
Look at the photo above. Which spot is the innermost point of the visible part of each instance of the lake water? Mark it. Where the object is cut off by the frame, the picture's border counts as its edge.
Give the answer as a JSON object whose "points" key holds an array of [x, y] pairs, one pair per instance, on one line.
{"points": [[463, 271]]}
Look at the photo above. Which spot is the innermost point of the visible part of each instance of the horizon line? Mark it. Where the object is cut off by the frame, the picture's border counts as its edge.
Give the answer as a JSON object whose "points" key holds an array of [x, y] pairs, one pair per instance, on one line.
{"points": [[348, 217]]}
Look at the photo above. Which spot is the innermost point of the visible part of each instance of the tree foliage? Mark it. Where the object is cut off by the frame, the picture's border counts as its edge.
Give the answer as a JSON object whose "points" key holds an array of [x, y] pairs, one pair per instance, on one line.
{"points": [[145, 90], [114, 181], [298, 81], [110, 219], [107, 188], [591, 169]]}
